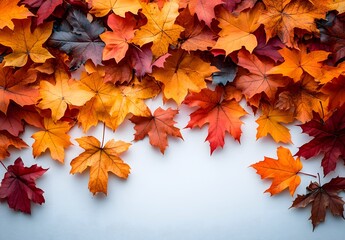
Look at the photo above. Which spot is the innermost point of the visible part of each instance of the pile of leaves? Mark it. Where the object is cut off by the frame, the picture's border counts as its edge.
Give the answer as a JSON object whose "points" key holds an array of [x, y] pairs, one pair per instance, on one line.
{"points": [[76, 63]]}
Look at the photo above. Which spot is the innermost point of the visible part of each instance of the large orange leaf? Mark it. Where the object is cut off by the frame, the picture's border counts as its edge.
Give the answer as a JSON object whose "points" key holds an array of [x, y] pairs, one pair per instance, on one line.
{"points": [[283, 171], [160, 28], [157, 126], [17, 86], [269, 123], [299, 61], [183, 72], [54, 137], [237, 31], [257, 80], [281, 17], [25, 43], [101, 8], [10, 10], [65, 92], [101, 160], [222, 115]]}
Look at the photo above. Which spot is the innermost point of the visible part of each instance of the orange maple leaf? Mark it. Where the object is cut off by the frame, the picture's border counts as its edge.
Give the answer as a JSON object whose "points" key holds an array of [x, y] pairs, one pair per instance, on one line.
{"points": [[54, 137], [7, 140], [237, 31], [183, 72], [100, 8], [281, 17], [157, 126], [296, 62], [222, 115], [101, 160], [257, 80], [64, 93], [10, 10], [160, 28], [25, 43], [269, 123], [283, 171]]}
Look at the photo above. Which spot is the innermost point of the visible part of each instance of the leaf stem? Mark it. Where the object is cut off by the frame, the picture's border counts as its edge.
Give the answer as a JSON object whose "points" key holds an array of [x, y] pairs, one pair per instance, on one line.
{"points": [[3, 165], [318, 175], [308, 174], [103, 135]]}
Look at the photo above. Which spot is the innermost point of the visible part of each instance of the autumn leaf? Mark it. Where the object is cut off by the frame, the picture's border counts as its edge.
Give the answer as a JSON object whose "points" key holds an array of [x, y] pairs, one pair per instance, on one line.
{"points": [[10, 10], [7, 140], [11, 122], [101, 160], [59, 96], [322, 198], [101, 8], [283, 171], [45, 8], [17, 87], [237, 31], [281, 17], [116, 41], [157, 126], [160, 28], [258, 79], [299, 61], [204, 9], [118, 73], [25, 43], [53, 137], [336, 92], [18, 187], [270, 123], [79, 38], [222, 115], [182, 73], [328, 139]]}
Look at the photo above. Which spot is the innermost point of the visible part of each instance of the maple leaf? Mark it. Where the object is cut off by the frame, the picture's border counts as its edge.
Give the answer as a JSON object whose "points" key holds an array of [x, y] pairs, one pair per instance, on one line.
{"points": [[304, 98], [204, 9], [101, 160], [98, 107], [157, 126], [65, 92], [79, 37], [296, 62], [281, 17], [117, 40], [183, 72], [222, 115], [258, 80], [322, 198], [237, 31], [130, 100], [269, 123], [18, 186], [118, 72], [328, 139], [45, 8], [336, 92], [11, 122], [7, 140], [53, 137], [160, 28], [10, 10], [101, 8], [283, 171], [17, 86], [25, 43]]}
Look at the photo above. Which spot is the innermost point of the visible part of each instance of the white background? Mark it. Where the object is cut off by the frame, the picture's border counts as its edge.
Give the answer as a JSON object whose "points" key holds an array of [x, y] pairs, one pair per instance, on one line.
{"points": [[184, 194]]}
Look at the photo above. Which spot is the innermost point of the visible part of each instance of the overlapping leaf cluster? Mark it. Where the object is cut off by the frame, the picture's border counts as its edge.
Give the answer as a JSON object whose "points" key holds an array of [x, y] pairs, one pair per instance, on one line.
{"points": [[78, 63]]}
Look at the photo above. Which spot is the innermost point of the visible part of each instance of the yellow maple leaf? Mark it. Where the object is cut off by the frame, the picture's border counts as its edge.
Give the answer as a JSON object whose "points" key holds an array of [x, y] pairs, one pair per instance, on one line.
{"points": [[101, 160], [54, 138], [10, 10], [183, 72], [65, 92], [237, 31], [101, 8], [25, 43], [160, 28]]}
